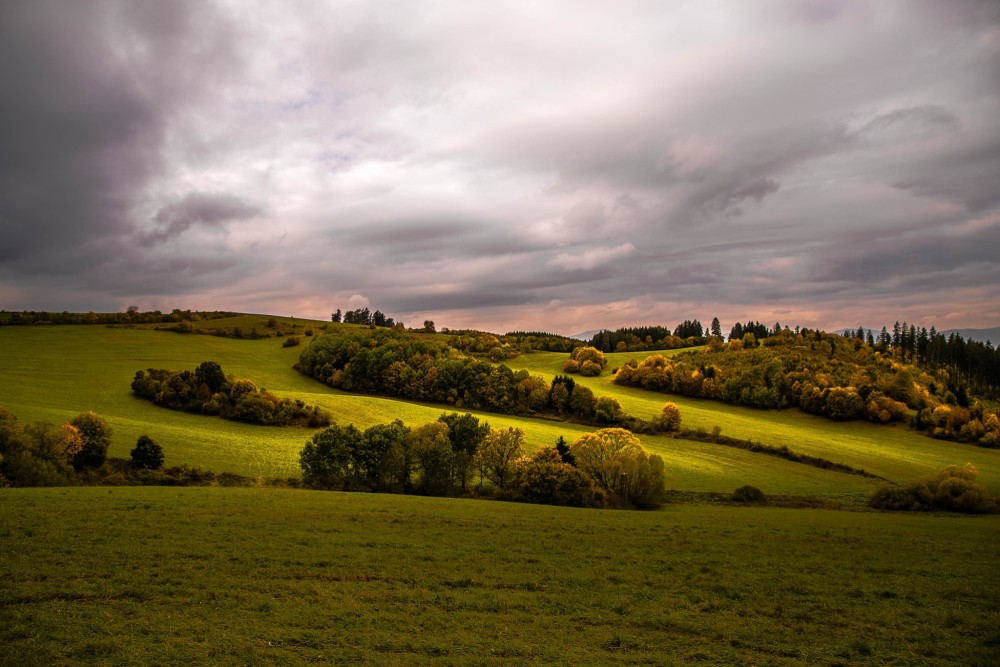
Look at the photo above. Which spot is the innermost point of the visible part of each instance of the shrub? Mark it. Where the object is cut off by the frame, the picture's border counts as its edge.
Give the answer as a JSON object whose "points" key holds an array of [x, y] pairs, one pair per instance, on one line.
{"points": [[571, 366], [584, 354], [954, 489], [147, 454], [619, 464], [608, 410], [292, 341], [590, 369], [669, 419], [748, 494], [545, 478]]}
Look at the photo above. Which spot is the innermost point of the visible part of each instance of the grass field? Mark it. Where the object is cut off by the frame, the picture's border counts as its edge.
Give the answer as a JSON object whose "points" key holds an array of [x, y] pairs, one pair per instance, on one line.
{"points": [[56, 372], [154, 576]]}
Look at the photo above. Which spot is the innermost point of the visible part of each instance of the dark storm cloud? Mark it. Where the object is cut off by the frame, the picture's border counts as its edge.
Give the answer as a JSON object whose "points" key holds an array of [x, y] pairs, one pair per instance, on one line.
{"points": [[89, 90], [75, 133]]}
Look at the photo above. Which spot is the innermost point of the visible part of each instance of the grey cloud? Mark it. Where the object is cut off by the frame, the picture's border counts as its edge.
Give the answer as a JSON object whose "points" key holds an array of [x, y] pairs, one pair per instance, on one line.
{"points": [[462, 159], [206, 209], [921, 119], [88, 94]]}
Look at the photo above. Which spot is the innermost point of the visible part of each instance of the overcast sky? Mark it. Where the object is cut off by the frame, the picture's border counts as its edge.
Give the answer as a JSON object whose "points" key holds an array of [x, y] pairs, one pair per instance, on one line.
{"points": [[557, 166]]}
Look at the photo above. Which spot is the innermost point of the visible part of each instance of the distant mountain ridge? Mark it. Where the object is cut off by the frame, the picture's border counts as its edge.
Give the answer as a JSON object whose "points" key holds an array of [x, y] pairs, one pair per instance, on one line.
{"points": [[991, 335]]}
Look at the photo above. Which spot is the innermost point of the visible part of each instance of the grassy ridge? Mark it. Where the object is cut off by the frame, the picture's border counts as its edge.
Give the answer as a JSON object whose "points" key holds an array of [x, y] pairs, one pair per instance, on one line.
{"points": [[147, 576], [55, 373]]}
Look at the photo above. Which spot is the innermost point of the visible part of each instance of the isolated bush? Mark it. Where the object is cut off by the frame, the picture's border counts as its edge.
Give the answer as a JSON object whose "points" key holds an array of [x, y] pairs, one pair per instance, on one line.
{"points": [[954, 489], [748, 494], [619, 464], [584, 354], [292, 341], [146, 454], [590, 369], [669, 419]]}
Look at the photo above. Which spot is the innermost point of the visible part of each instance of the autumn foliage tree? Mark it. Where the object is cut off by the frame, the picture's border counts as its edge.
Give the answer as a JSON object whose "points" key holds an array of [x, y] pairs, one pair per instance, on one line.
{"points": [[497, 455], [619, 464]]}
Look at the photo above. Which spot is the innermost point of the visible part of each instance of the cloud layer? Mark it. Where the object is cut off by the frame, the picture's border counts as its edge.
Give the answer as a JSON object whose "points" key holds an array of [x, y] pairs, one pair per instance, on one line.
{"points": [[560, 166]]}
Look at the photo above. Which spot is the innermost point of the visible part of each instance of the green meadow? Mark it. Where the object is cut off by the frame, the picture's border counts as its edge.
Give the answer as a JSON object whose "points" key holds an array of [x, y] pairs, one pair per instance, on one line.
{"points": [[55, 372], [272, 576], [157, 576]]}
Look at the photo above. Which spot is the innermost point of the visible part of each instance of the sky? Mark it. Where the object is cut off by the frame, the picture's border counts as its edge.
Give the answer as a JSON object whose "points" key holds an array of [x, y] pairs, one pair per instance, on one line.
{"points": [[558, 166]]}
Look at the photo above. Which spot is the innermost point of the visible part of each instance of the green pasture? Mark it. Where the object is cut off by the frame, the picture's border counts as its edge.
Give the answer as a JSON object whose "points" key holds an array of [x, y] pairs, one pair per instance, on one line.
{"points": [[167, 576], [895, 452], [55, 372]]}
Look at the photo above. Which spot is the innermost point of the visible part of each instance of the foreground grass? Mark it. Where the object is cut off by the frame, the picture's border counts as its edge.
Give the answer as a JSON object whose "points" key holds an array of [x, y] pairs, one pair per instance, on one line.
{"points": [[145, 576]]}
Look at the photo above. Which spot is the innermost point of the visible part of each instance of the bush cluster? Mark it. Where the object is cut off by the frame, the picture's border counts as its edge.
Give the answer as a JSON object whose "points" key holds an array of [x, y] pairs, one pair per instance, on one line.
{"points": [[815, 375], [208, 390], [441, 459], [43, 454], [954, 489]]}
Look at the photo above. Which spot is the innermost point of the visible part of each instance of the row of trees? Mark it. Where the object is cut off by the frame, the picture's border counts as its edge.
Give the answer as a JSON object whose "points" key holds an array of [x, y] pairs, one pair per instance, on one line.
{"points": [[131, 316], [508, 345], [393, 363], [823, 374], [445, 458], [364, 316], [639, 339], [208, 390], [969, 363], [801, 373]]}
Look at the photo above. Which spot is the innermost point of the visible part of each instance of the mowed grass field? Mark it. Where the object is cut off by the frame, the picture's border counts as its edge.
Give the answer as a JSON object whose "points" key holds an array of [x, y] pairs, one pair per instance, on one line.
{"points": [[55, 372], [166, 576]]}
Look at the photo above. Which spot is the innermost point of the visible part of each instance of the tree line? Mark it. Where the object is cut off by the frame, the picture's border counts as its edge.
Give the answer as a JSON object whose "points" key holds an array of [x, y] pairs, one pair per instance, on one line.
{"points": [[131, 316], [390, 362], [364, 316], [458, 455], [822, 374], [209, 391], [639, 339], [972, 366]]}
